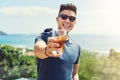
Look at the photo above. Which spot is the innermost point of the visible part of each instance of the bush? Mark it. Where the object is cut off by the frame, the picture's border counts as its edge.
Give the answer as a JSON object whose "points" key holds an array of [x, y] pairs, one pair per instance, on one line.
{"points": [[99, 68], [88, 63], [13, 64]]}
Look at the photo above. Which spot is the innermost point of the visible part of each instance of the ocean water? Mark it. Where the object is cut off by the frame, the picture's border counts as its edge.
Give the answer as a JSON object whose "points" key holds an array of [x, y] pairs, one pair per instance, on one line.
{"points": [[89, 42], [19, 40], [99, 42]]}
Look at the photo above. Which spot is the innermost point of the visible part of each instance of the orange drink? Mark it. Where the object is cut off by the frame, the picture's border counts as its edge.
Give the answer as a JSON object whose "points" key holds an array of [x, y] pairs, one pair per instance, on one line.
{"points": [[61, 37], [61, 40]]}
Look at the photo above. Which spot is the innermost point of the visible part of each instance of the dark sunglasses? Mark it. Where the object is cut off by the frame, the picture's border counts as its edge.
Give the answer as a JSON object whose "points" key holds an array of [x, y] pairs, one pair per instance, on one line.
{"points": [[64, 17]]}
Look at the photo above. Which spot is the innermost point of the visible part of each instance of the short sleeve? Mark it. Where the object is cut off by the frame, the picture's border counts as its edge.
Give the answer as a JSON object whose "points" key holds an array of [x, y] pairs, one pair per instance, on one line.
{"points": [[43, 36], [79, 50]]}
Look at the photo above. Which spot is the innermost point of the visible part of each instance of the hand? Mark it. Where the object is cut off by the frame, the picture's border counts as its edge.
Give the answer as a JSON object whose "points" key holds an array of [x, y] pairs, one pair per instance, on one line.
{"points": [[52, 45]]}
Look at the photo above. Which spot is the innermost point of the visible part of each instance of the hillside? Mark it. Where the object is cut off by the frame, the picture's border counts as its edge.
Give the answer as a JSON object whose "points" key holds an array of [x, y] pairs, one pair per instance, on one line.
{"points": [[2, 33]]}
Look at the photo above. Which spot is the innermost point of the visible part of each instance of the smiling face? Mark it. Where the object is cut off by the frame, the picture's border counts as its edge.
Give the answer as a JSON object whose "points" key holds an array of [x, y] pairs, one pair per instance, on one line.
{"points": [[66, 24]]}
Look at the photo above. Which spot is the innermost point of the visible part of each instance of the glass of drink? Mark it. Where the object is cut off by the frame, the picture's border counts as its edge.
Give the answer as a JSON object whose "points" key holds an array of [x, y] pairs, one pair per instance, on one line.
{"points": [[61, 37]]}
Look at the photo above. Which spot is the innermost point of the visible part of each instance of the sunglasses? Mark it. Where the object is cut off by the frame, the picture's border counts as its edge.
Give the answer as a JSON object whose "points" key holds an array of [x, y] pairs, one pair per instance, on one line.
{"points": [[64, 17]]}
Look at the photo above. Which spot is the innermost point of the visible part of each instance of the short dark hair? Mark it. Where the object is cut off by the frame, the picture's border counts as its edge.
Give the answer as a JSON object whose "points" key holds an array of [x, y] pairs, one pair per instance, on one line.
{"points": [[68, 6]]}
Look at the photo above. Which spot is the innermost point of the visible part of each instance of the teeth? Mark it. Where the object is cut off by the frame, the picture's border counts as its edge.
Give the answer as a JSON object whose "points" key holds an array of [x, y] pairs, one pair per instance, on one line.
{"points": [[66, 25]]}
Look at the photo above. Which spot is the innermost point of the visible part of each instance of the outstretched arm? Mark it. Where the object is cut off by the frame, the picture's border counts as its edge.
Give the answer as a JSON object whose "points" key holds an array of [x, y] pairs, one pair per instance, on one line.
{"points": [[43, 51]]}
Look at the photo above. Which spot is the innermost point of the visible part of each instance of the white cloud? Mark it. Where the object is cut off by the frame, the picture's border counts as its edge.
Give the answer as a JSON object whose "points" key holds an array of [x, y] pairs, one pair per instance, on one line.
{"points": [[29, 10], [101, 21], [93, 12]]}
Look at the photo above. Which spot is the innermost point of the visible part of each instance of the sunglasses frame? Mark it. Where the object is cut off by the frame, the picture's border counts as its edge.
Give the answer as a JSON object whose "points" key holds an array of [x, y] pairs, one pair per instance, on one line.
{"points": [[65, 17]]}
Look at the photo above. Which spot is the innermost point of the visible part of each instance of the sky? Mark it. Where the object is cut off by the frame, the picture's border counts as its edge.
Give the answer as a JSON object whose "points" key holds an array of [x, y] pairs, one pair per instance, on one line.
{"points": [[96, 17]]}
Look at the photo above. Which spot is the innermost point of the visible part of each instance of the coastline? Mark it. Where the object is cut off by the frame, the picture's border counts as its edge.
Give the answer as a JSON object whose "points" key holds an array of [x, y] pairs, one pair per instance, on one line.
{"points": [[25, 50], [29, 51], [102, 45]]}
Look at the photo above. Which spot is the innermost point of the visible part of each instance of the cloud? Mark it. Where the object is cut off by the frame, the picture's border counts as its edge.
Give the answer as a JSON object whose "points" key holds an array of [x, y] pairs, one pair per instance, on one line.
{"points": [[31, 10], [101, 21], [93, 12]]}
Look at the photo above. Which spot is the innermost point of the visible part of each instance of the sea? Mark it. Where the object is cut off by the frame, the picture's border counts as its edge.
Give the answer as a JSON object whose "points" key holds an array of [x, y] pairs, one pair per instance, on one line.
{"points": [[100, 43]]}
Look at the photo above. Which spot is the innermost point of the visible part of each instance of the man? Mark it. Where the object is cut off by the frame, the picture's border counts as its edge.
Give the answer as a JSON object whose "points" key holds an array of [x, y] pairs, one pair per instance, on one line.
{"points": [[64, 64]]}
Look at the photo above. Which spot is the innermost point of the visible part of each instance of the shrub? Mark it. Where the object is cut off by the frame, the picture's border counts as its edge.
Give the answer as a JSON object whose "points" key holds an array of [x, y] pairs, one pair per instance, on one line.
{"points": [[13, 64]]}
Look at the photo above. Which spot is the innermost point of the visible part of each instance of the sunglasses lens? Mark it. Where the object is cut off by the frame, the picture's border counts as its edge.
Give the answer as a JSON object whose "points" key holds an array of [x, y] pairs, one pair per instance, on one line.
{"points": [[64, 17], [72, 19]]}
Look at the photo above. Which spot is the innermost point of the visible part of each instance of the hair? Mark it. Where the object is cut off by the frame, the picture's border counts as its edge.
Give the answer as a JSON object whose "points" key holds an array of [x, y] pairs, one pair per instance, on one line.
{"points": [[68, 6]]}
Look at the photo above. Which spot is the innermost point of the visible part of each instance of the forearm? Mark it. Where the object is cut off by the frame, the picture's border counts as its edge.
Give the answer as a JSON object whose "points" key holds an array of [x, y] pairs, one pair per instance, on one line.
{"points": [[75, 72], [39, 50]]}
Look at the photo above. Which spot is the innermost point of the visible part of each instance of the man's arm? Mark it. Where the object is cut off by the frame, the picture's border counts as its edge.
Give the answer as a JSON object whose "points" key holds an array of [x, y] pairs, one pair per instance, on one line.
{"points": [[43, 50], [75, 72], [39, 49]]}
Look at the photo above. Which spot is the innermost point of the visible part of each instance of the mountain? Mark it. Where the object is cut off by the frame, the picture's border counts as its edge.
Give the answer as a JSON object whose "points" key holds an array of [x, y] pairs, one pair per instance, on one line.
{"points": [[2, 33]]}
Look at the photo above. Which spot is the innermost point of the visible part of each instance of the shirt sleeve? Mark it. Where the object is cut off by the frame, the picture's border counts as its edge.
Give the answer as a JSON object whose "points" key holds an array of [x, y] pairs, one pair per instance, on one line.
{"points": [[79, 50], [43, 36]]}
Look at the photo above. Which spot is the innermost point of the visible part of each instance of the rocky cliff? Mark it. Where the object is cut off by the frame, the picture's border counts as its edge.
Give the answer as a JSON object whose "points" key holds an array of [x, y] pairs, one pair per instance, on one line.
{"points": [[2, 33]]}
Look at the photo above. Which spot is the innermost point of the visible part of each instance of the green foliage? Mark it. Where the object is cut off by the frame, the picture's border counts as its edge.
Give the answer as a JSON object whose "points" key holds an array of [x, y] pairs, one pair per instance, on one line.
{"points": [[99, 68], [109, 68], [87, 67], [13, 64]]}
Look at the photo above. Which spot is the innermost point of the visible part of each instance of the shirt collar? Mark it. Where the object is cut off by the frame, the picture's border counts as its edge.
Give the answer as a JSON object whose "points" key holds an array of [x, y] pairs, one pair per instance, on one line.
{"points": [[69, 40]]}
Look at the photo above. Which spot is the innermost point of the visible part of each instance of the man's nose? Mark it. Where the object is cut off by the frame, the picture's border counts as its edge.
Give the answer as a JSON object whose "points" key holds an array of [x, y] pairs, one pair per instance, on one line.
{"points": [[67, 20]]}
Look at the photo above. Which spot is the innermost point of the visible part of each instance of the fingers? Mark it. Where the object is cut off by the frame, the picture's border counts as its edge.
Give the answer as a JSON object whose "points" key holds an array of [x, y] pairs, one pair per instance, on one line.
{"points": [[54, 52], [53, 46], [51, 39], [51, 43]]}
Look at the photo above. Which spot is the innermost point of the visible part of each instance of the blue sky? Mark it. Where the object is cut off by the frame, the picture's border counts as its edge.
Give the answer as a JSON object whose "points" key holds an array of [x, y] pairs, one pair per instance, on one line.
{"points": [[98, 17]]}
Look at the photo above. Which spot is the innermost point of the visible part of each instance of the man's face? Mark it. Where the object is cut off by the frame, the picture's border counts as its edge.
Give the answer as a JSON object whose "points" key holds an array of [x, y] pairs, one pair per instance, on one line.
{"points": [[66, 20]]}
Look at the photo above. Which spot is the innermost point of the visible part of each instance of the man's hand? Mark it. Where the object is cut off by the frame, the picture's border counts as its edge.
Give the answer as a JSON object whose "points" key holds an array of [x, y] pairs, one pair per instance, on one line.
{"points": [[52, 45]]}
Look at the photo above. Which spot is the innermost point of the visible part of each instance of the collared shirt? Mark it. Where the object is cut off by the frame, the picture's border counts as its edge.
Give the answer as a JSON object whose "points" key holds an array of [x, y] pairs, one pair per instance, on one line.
{"points": [[59, 68]]}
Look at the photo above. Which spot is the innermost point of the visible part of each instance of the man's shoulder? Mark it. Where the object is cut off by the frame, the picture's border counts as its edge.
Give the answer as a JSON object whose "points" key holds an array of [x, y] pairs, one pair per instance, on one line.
{"points": [[45, 32], [48, 30], [44, 35], [73, 42]]}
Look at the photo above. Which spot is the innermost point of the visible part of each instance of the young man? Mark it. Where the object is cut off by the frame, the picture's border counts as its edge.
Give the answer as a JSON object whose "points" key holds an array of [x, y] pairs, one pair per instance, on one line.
{"points": [[64, 64]]}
